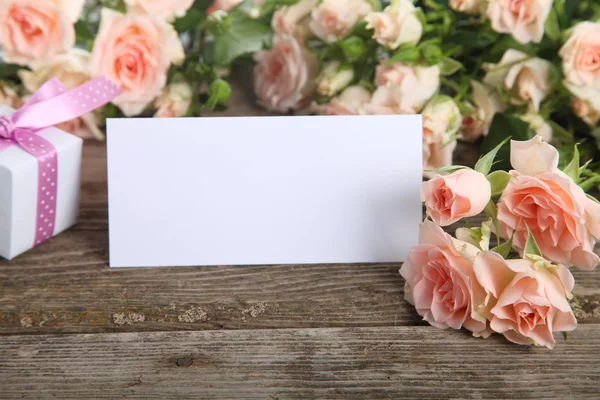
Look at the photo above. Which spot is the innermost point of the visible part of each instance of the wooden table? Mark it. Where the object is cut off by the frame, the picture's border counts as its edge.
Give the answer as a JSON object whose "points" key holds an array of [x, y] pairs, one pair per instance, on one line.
{"points": [[71, 328]]}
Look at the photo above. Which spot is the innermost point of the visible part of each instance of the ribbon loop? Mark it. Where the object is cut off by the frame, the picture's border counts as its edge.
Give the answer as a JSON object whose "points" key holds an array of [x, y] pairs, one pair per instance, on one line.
{"points": [[6, 128]]}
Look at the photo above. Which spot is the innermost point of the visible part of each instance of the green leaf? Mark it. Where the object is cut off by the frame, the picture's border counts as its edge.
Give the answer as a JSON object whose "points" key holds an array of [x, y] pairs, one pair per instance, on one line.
{"points": [[353, 47], [431, 53], [449, 66], [376, 5], [478, 236], [551, 26], [531, 246], [565, 335], [246, 36], [485, 163], [590, 183], [218, 93], [8, 71], [498, 181], [504, 248], [83, 32], [502, 127], [191, 19], [573, 168], [406, 53], [589, 196]]}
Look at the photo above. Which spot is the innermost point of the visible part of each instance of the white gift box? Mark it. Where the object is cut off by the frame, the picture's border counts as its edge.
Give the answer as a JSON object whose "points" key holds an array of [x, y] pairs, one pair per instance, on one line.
{"points": [[19, 190]]}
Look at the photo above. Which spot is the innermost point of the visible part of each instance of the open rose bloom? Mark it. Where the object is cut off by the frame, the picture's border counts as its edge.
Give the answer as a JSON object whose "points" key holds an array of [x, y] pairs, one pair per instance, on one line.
{"points": [[544, 217]]}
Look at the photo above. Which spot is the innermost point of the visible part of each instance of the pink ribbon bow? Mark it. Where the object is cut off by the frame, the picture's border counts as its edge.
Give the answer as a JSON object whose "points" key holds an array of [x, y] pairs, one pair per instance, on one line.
{"points": [[49, 106]]}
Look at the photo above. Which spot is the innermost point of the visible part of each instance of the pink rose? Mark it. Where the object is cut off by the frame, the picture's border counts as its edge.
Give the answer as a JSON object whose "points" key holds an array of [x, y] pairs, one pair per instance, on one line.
{"points": [[293, 19], [414, 85], [488, 102], [585, 103], [524, 19], [333, 19], [450, 198], [36, 30], [581, 55], [223, 5], [562, 219], [440, 281], [86, 126], [136, 52], [397, 24], [386, 100], [473, 7], [527, 299], [526, 79], [284, 77], [161, 8], [349, 102], [441, 121]]}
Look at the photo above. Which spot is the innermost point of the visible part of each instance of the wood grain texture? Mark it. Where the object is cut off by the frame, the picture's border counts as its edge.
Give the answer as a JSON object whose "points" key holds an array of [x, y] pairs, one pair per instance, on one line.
{"points": [[351, 363]]}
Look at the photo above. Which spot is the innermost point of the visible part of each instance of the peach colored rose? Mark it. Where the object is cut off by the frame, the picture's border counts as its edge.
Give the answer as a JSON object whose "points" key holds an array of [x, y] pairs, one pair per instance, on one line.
{"points": [[160, 8], [35, 30], [441, 121], [294, 19], [581, 55], [526, 299], [440, 281], [136, 52], [488, 102], [386, 100], [334, 78], [472, 7], [397, 24], [9, 96], [414, 85], [333, 19], [525, 78], [586, 103], [174, 102], [564, 222], [284, 77], [450, 198], [523, 19], [223, 5], [350, 102]]}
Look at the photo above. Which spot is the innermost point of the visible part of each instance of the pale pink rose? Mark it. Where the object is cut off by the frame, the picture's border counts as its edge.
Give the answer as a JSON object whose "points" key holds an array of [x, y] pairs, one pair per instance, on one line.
{"points": [[538, 124], [350, 102], [333, 19], [397, 24], [523, 19], [36, 30], [414, 85], [86, 127], [488, 102], [223, 5], [525, 78], [472, 7], [174, 102], [586, 103], [526, 299], [387, 100], [160, 8], [440, 281], [441, 121], [450, 198], [564, 222], [9, 96], [294, 19], [135, 51], [334, 78], [72, 69], [581, 55], [284, 77]]}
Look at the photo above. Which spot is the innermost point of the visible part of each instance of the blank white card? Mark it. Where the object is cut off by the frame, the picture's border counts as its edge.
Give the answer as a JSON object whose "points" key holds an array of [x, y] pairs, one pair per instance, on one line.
{"points": [[263, 190]]}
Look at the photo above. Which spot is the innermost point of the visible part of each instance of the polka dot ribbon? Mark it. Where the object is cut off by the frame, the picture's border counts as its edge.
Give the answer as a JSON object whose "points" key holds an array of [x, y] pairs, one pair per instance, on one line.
{"points": [[49, 106]]}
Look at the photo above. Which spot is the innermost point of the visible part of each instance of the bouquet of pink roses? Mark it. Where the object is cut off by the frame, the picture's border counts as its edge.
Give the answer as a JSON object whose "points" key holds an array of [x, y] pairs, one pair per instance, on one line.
{"points": [[543, 223]]}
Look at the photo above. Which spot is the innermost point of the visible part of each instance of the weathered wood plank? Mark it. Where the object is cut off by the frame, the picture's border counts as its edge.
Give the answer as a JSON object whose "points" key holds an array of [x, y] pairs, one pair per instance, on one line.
{"points": [[354, 363]]}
